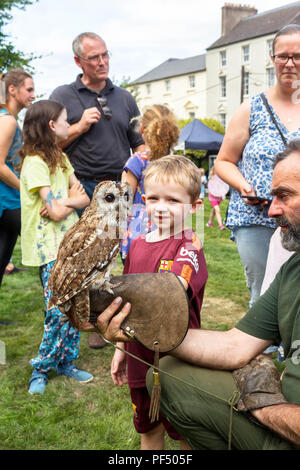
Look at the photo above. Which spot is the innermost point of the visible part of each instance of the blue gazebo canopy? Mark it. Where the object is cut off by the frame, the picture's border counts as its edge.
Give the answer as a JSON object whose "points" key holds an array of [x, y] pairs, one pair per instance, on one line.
{"points": [[196, 136]]}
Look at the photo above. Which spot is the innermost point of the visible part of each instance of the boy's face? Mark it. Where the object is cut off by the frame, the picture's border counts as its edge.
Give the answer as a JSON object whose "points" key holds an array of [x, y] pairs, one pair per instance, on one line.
{"points": [[167, 205]]}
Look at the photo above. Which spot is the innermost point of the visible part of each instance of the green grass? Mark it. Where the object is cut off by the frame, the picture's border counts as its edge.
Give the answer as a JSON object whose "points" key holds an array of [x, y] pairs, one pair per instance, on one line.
{"points": [[98, 415]]}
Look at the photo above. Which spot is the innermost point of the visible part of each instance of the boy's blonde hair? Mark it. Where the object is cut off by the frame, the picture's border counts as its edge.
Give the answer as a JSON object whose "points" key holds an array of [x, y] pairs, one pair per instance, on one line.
{"points": [[179, 169]]}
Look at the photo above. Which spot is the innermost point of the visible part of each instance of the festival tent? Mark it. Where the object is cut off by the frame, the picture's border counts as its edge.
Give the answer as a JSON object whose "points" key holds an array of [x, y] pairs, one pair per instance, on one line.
{"points": [[196, 136]]}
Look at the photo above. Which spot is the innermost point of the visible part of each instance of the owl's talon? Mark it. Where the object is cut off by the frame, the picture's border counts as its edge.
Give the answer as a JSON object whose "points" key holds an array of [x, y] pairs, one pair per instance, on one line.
{"points": [[108, 287]]}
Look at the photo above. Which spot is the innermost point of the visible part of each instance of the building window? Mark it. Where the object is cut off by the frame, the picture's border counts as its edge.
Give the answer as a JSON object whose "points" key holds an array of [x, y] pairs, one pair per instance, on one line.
{"points": [[168, 85], [192, 81], [246, 54], [222, 119], [223, 87], [148, 87], [270, 77], [246, 84], [192, 115], [223, 59]]}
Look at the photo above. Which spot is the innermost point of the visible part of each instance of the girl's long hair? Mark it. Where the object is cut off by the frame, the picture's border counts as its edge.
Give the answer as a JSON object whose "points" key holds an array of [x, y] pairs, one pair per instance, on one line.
{"points": [[38, 138]]}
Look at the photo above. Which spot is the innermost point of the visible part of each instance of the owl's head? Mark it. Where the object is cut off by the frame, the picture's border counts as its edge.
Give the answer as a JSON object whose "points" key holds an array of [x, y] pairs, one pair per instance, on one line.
{"points": [[113, 202]]}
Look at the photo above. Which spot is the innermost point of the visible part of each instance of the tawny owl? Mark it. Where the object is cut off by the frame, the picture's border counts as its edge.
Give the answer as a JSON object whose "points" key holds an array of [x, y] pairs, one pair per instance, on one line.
{"points": [[88, 250]]}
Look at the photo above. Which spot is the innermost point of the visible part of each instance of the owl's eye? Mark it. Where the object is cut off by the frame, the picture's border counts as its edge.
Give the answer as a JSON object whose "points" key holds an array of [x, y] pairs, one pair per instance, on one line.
{"points": [[126, 197], [110, 198]]}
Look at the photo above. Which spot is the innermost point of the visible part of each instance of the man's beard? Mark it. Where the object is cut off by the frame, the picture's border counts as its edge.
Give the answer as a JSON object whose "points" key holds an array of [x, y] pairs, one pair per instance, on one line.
{"points": [[290, 239]]}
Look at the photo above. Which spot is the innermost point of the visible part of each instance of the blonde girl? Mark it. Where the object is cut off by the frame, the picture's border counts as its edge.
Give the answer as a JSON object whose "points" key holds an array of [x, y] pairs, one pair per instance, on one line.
{"points": [[217, 191], [160, 133]]}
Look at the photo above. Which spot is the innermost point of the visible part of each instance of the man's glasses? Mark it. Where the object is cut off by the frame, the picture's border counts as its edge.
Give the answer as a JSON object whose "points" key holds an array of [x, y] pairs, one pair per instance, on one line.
{"points": [[97, 58], [283, 59], [105, 108]]}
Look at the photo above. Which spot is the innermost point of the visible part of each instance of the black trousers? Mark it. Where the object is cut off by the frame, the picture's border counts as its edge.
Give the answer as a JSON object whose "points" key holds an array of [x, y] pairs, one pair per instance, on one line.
{"points": [[10, 228]]}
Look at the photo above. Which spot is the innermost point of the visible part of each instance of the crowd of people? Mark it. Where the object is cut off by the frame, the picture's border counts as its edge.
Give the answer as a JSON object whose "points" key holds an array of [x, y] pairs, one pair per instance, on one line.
{"points": [[228, 394]]}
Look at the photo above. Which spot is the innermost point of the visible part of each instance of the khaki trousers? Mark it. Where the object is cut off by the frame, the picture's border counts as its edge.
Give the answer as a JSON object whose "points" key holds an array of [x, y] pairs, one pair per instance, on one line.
{"points": [[200, 411]]}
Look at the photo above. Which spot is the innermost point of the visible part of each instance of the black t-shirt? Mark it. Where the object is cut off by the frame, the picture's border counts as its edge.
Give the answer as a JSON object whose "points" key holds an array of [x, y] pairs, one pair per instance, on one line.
{"points": [[105, 147]]}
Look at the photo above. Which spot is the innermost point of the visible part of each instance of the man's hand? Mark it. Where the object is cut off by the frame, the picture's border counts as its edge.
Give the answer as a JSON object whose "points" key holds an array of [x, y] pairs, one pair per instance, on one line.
{"points": [[89, 116], [109, 323]]}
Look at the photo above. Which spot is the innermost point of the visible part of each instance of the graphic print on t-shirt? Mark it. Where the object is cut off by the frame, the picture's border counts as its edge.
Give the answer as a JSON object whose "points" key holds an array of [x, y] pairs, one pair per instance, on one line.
{"points": [[165, 266]]}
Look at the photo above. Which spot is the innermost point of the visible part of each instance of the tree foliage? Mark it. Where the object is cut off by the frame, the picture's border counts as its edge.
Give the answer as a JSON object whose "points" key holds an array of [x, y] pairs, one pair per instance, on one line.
{"points": [[125, 82], [10, 57], [209, 122]]}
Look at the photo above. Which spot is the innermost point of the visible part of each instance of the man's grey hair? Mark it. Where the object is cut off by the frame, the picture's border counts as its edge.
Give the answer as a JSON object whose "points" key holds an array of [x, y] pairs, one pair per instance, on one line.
{"points": [[292, 146], [77, 43]]}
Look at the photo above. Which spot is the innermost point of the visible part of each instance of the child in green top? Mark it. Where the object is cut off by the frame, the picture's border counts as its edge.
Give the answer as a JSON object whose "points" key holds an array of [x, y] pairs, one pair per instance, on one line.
{"points": [[50, 193]]}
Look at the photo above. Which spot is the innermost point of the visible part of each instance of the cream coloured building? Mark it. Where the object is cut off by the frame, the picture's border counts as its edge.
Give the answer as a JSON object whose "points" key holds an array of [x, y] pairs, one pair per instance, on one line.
{"points": [[179, 84], [236, 66]]}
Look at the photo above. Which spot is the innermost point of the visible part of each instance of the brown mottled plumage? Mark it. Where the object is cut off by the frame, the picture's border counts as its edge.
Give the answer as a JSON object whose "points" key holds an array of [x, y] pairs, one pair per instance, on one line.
{"points": [[88, 250]]}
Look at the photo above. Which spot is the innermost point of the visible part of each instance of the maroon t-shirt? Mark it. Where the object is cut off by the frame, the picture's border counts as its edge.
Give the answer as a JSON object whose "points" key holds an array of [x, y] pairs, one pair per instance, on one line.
{"points": [[181, 254]]}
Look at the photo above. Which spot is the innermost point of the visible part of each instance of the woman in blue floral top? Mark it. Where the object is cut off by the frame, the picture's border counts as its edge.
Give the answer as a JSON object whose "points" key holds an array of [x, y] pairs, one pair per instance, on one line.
{"points": [[245, 160], [160, 133]]}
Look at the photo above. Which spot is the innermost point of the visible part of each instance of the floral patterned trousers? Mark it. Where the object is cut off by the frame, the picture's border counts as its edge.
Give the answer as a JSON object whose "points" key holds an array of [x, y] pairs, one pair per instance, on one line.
{"points": [[60, 343]]}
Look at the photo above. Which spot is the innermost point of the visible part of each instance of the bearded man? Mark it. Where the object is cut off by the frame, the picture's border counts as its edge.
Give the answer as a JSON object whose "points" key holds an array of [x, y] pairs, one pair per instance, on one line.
{"points": [[218, 390]]}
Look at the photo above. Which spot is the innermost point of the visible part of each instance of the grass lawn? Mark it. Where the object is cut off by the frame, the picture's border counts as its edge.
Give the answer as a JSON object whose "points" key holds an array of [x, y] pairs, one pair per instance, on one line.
{"points": [[98, 415]]}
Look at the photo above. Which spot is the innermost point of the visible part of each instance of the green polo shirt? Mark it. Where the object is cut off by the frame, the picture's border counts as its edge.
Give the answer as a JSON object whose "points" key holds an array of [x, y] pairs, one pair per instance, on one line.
{"points": [[276, 316]]}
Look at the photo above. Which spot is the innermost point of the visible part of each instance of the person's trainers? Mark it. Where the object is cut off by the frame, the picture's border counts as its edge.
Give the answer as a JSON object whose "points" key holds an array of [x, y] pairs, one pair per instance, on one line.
{"points": [[221, 227], [38, 383], [209, 224], [74, 373]]}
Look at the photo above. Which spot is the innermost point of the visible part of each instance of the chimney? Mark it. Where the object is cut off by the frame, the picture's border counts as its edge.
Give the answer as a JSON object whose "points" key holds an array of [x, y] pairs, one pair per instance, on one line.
{"points": [[232, 14]]}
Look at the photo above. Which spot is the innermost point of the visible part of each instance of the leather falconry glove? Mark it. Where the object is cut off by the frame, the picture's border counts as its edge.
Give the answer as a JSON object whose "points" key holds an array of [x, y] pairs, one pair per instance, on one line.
{"points": [[158, 319], [159, 308], [259, 384]]}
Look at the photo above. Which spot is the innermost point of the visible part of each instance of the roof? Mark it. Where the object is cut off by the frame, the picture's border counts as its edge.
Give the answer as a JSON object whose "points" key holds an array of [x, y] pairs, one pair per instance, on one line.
{"points": [[261, 24], [173, 68]]}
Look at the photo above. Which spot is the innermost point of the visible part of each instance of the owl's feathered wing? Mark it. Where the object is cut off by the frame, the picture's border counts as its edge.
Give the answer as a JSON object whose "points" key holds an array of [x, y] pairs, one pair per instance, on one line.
{"points": [[82, 257], [85, 257]]}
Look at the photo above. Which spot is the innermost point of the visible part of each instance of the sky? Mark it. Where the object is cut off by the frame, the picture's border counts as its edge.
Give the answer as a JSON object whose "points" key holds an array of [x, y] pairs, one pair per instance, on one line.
{"points": [[140, 34]]}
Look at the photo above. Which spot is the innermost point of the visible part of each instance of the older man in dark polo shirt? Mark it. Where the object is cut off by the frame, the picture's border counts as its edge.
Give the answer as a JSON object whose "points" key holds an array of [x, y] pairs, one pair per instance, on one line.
{"points": [[99, 112]]}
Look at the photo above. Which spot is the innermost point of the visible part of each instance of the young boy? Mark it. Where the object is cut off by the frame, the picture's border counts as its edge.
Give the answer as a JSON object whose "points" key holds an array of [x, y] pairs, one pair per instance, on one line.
{"points": [[172, 188]]}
